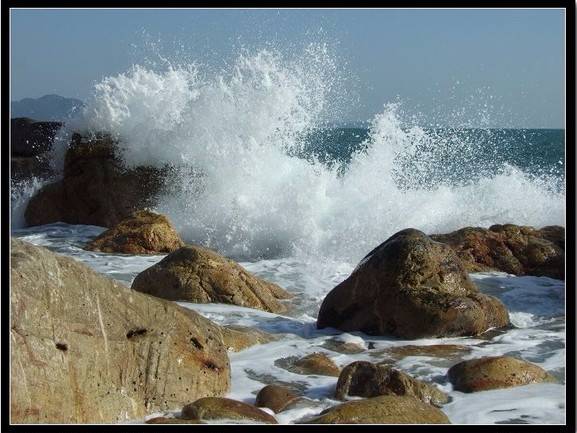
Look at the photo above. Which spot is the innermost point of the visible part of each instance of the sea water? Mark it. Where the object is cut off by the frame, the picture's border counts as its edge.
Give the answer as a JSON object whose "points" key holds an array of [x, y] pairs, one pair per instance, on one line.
{"points": [[262, 177]]}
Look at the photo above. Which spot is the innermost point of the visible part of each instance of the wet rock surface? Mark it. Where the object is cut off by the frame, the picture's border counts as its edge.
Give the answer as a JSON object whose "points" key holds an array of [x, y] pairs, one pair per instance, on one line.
{"points": [[495, 372], [411, 287], [214, 408], [275, 397], [518, 250], [197, 274]]}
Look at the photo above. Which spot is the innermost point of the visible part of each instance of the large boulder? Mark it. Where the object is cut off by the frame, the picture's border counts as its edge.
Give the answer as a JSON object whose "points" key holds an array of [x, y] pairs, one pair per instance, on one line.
{"points": [[411, 287], [30, 138], [518, 250], [214, 408], [382, 410], [495, 372], [86, 349], [197, 274], [144, 232], [95, 188], [364, 379]]}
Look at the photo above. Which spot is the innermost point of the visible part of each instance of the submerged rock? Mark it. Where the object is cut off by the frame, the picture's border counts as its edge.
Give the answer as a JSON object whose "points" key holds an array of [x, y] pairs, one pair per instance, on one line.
{"points": [[96, 188], [495, 372], [144, 232], [411, 287], [517, 250], [382, 410], [86, 349], [237, 338], [447, 351], [166, 420], [316, 363], [214, 408], [364, 379], [197, 274], [275, 397]]}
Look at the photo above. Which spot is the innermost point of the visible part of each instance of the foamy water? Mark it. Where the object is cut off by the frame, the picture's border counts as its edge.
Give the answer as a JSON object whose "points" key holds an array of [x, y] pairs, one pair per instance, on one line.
{"points": [[245, 187], [536, 305]]}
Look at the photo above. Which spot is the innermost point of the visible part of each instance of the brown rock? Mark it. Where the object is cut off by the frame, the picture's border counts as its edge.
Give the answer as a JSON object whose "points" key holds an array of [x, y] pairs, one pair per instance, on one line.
{"points": [[343, 347], [510, 248], [214, 408], [85, 349], [275, 397], [95, 188], [495, 372], [144, 232], [197, 274], [316, 363], [23, 168], [411, 287], [237, 338], [382, 410], [364, 379]]}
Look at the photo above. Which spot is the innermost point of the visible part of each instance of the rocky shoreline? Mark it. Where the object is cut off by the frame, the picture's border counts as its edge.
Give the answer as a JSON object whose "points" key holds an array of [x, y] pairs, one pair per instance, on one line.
{"points": [[112, 353]]}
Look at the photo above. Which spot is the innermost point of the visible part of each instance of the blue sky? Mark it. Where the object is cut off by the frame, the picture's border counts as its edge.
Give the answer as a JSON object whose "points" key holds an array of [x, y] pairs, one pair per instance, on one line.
{"points": [[501, 68]]}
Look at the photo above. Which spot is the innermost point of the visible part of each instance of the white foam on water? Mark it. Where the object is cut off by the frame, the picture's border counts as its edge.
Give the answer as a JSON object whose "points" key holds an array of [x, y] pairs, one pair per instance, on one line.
{"points": [[539, 337], [246, 189]]}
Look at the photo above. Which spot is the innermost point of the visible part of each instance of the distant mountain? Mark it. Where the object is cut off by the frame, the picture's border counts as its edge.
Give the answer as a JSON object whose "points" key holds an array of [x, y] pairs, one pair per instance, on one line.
{"points": [[48, 107]]}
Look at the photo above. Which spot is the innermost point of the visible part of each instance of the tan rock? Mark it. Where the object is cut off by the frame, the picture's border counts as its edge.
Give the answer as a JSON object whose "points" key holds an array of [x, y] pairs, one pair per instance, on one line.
{"points": [[197, 274], [214, 408], [275, 397], [144, 232], [86, 349], [518, 250], [382, 410], [495, 372], [411, 287], [364, 379]]}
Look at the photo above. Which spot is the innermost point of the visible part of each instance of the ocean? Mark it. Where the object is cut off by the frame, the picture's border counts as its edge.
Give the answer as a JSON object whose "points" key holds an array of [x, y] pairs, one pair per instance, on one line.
{"points": [[260, 177]]}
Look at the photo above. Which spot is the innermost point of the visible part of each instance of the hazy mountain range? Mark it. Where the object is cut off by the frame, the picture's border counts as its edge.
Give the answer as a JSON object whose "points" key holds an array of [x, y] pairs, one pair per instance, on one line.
{"points": [[48, 107]]}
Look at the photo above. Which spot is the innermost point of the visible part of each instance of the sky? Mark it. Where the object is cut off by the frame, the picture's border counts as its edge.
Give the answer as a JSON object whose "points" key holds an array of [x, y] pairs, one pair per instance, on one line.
{"points": [[471, 67]]}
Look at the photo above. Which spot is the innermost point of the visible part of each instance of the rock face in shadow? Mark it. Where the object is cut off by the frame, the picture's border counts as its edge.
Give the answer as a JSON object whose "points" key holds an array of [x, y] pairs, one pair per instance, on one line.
{"points": [[144, 232], [214, 408], [86, 349], [382, 410], [364, 379], [30, 138], [495, 372], [517, 250], [96, 188], [197, 274], [411, 287]]}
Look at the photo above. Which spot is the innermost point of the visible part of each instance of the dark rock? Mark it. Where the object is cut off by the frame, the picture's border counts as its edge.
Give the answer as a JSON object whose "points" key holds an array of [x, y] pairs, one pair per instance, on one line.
{"points": [[495, 372], [197, 274], [364, 379], [411, 287], [30, 138], [96, 188]]}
